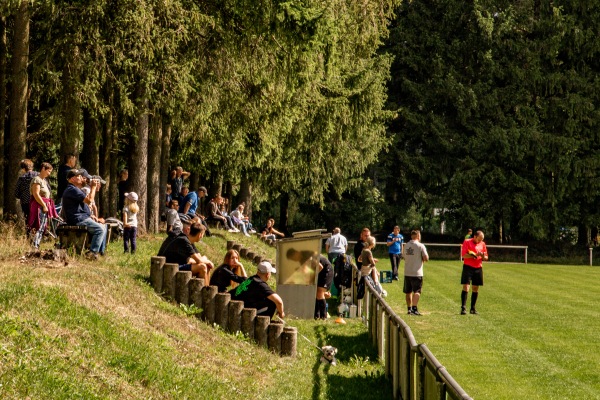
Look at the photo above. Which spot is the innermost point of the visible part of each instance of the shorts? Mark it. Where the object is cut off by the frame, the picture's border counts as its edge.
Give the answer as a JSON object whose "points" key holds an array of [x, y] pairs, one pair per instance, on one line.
{"points": [[325, 278], [472, 276], [413, 284]]}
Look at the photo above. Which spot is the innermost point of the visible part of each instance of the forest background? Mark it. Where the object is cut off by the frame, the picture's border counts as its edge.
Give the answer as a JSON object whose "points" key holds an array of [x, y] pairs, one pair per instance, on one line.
{"points": [[441, 115]]}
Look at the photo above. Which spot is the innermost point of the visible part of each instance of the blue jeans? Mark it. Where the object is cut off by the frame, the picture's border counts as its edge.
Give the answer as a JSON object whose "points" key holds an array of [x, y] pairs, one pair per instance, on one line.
{"points": [[98, 232]]}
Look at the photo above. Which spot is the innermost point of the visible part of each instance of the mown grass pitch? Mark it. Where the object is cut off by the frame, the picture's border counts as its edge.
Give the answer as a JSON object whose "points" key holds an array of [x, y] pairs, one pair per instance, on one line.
{"points": [[536, 336]]}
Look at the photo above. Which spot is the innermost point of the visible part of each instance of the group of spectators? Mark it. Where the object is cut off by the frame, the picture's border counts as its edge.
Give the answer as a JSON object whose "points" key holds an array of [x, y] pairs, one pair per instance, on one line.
{"points": [[74, 205]]}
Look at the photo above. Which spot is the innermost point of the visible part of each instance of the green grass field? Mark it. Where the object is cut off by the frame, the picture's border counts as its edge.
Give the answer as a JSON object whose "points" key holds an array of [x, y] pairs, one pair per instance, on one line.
{"points": [[98, 331], [536, 336]]}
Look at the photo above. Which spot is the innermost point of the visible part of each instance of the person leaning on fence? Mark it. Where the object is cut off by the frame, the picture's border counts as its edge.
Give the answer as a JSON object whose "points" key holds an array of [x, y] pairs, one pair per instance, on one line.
{"points": [[230, 273], [178, 248], [75, 207], [360, 245], [41, 208], [256, 293], [415, 254], [474, 252], [336, 245], [368, 269]]}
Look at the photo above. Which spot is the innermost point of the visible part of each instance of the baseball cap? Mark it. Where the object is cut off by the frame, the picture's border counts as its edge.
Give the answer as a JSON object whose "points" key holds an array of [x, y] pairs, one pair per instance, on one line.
{"points": [[265, 267], [202, 189], [132, 196], [73, 172], [84, 173]]}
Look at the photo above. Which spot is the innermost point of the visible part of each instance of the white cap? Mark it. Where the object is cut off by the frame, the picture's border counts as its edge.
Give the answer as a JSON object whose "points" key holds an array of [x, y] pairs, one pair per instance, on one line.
{"points": [[132, 196], [265, 267]]}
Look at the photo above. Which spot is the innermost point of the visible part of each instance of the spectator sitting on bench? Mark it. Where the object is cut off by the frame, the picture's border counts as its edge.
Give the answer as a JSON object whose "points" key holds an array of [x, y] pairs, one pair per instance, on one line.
{"points": [[269, 231], [178, 248], [230, 273], [255, 293], [77, 211]]}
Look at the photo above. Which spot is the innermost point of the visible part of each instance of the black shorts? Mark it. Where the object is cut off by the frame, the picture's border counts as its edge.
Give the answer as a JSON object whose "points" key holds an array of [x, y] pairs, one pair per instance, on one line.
{"points": [[325, 278], [472, 276], [413, 284]]}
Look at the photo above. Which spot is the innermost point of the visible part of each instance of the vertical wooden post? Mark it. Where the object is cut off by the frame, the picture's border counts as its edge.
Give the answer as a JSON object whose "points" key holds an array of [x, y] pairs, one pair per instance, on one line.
{"points": [[395, 360], [243, 251], [182, 288], [248, 318], [208, 300], [260, 330], [156, 273], [222, 309], [289, 341], [235, 316], [169, 271], [196, 286], [274, 336], [257, 259], [237, 247], [230, 244]]}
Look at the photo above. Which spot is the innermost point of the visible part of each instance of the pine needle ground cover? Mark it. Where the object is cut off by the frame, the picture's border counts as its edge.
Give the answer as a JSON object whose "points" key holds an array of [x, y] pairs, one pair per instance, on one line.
{"points": [[96, 330], [536, 336]]}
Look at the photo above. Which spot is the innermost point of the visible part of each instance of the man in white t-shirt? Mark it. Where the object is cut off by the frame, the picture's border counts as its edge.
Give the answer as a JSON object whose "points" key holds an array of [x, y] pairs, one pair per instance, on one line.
{"points": [[415, 254], [336, 245]]}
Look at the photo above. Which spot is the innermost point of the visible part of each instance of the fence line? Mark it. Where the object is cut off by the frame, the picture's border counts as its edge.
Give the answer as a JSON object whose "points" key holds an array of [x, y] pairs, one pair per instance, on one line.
{"points": [[414, 371]]}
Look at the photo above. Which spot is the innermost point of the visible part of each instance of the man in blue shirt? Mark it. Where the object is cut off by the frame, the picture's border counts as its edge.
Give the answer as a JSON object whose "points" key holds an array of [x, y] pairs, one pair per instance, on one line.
{"points": [[77, 211], [395, 242]]}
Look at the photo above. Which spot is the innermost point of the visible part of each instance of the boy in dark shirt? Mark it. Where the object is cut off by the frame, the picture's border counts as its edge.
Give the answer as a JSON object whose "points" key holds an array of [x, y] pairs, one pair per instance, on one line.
{"points": [[255, 293]]}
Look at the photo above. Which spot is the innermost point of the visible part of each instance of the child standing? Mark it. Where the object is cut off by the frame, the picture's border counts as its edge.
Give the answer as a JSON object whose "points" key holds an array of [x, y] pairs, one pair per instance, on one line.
{"points": [[130, 222]]}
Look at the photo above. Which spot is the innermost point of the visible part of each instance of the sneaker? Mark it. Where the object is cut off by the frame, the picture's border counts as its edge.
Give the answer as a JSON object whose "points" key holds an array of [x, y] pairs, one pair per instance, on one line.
{"points": [[246, 234], [252, 231], [231, 230], [409, 312], [90, 255], [463, 311], [473, 311], [395, 278], [416, 312]]}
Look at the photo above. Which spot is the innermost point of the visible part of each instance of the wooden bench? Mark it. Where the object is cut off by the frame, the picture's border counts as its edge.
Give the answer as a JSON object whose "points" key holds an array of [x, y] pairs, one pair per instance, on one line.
{"points": [[72, 236]]}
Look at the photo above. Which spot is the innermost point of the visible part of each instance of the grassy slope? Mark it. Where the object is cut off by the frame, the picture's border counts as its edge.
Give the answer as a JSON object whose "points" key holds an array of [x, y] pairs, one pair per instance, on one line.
{"points": [[535, 337], [97, 330]]}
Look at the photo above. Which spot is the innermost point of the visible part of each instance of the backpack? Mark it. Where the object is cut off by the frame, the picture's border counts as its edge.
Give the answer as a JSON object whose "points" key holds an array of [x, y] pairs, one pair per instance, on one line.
{"points": [[342, 271]]}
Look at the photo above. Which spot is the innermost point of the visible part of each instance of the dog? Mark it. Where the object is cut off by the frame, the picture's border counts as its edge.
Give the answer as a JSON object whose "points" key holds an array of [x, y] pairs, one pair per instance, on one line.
{"points": [[328, 356]]}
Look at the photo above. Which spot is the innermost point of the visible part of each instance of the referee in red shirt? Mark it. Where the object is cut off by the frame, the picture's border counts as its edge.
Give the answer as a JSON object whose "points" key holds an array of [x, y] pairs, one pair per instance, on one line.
{"points": [[474, 252]]}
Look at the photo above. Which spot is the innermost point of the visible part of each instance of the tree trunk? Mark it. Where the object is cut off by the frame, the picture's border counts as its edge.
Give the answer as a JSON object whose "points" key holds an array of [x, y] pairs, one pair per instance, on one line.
{"points": [[3, 58], [284, 202], [245, 194], [18, 101], [70, 140], [155, 190], [89, 158], [138, 170], [165, 154], [108, 195]]}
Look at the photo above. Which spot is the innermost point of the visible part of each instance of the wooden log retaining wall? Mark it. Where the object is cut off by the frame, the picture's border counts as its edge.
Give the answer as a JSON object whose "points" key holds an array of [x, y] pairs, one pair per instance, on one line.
{"points": [[219, 309]]}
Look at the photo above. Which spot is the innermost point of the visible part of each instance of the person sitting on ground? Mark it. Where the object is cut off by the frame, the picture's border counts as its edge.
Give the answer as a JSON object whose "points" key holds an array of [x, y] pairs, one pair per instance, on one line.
{"points": [[230, 273], [77, 211], [215, 214], [178, 248], [41, 208], [173, 221], [269, 231], [242, 221], [256, 293], [23, 188]]}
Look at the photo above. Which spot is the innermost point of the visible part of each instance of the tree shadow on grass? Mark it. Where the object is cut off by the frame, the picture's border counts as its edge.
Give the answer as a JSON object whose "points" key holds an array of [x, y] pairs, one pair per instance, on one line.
{"points": [[354, 352]]}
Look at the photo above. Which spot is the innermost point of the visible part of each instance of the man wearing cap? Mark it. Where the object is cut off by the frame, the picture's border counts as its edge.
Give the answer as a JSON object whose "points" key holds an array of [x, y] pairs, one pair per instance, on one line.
{"points": [[256, 293], [77, 211], [178, 248]]}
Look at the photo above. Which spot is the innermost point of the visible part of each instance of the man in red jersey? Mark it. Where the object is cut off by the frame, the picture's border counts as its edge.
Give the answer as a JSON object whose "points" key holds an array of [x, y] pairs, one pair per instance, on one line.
{"points": [[474, 252]]}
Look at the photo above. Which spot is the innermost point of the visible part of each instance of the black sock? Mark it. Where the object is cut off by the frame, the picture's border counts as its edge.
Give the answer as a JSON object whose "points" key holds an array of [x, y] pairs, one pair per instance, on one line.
{"points": [[473, 299], [463, 298], [317, 309], [323, 308], [409, 308]]}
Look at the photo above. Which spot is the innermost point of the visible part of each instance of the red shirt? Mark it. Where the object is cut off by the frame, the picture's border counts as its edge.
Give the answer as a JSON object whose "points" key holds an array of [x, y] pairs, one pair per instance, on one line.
{"points": [[470, 245]]}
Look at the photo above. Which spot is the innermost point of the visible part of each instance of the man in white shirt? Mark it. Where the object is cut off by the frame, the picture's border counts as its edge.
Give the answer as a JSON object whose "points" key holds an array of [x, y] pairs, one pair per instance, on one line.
{"points": [[415, 254], [336, 245]]}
